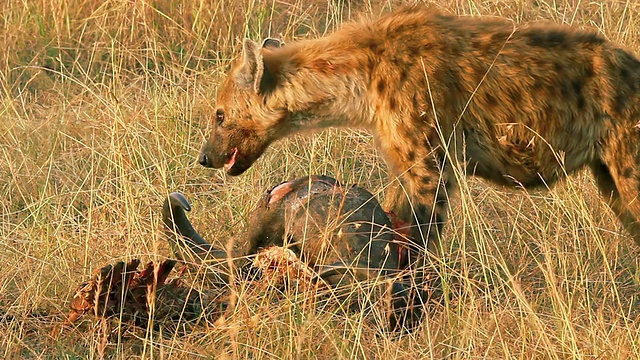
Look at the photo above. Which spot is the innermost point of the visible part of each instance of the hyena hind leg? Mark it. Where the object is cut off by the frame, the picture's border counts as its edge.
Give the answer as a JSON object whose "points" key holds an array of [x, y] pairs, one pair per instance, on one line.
{"points": [[621, 193]]}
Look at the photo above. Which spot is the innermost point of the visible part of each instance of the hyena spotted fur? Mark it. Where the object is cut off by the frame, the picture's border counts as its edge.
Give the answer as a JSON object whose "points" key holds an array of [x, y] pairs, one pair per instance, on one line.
{"points": [[516, 104]]}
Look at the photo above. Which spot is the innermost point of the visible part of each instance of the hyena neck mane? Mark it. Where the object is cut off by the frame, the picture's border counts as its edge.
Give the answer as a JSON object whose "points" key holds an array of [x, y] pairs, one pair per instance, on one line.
{"points": [[319, 83], [355, 77]]}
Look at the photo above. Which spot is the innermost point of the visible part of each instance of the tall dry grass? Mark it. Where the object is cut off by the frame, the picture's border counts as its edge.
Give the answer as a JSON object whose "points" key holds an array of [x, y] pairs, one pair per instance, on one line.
{"points": [[96, 129]]}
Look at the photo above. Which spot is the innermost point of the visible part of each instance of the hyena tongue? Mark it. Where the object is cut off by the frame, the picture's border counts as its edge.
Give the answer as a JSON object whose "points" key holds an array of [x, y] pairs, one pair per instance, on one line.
{"points": [[232, 160]]}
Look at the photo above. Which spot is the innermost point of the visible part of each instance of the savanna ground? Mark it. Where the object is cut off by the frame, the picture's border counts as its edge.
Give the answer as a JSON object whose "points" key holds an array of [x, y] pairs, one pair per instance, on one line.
{"points": [[96, 128]]}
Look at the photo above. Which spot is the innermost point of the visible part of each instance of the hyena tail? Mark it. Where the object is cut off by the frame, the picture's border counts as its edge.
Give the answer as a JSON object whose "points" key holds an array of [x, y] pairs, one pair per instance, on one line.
{"points": [[617, 175]]}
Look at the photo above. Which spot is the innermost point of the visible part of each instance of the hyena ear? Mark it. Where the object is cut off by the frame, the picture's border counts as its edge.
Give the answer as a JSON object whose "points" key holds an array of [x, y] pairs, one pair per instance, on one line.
{"points": [[252, 70], [253, 73], [272, 43]]}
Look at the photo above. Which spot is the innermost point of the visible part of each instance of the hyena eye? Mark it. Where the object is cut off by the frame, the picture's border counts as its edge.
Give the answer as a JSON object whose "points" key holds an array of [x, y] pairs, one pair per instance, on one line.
{"points": [[219, 116]]}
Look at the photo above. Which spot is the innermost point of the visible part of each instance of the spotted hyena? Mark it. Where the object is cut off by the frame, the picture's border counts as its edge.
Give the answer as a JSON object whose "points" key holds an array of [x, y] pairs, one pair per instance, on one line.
{"points": [[515, 104]]}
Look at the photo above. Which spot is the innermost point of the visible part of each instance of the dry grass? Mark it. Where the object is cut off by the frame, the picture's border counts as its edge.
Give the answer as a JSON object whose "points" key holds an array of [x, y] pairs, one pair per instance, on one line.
{"points": [[96, 129]]}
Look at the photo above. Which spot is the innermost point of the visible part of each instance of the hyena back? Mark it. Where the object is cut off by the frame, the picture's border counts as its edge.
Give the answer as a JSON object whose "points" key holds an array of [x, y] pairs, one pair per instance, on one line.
{"points": [[518, 105]]}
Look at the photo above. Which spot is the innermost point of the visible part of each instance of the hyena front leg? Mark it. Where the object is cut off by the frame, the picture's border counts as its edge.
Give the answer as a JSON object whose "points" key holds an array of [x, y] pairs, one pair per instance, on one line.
{"points": [[429, 203], [420, 198], [422, 201]]}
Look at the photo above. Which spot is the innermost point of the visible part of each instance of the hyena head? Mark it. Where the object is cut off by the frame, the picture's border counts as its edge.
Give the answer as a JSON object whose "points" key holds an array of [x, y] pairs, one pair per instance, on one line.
{"points": [[242, 125]]}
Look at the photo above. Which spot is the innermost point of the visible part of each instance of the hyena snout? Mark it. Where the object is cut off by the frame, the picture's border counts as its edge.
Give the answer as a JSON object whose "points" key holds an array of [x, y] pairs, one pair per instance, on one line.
{"points": [[213, 156], [207, 157], [203, 160]]}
